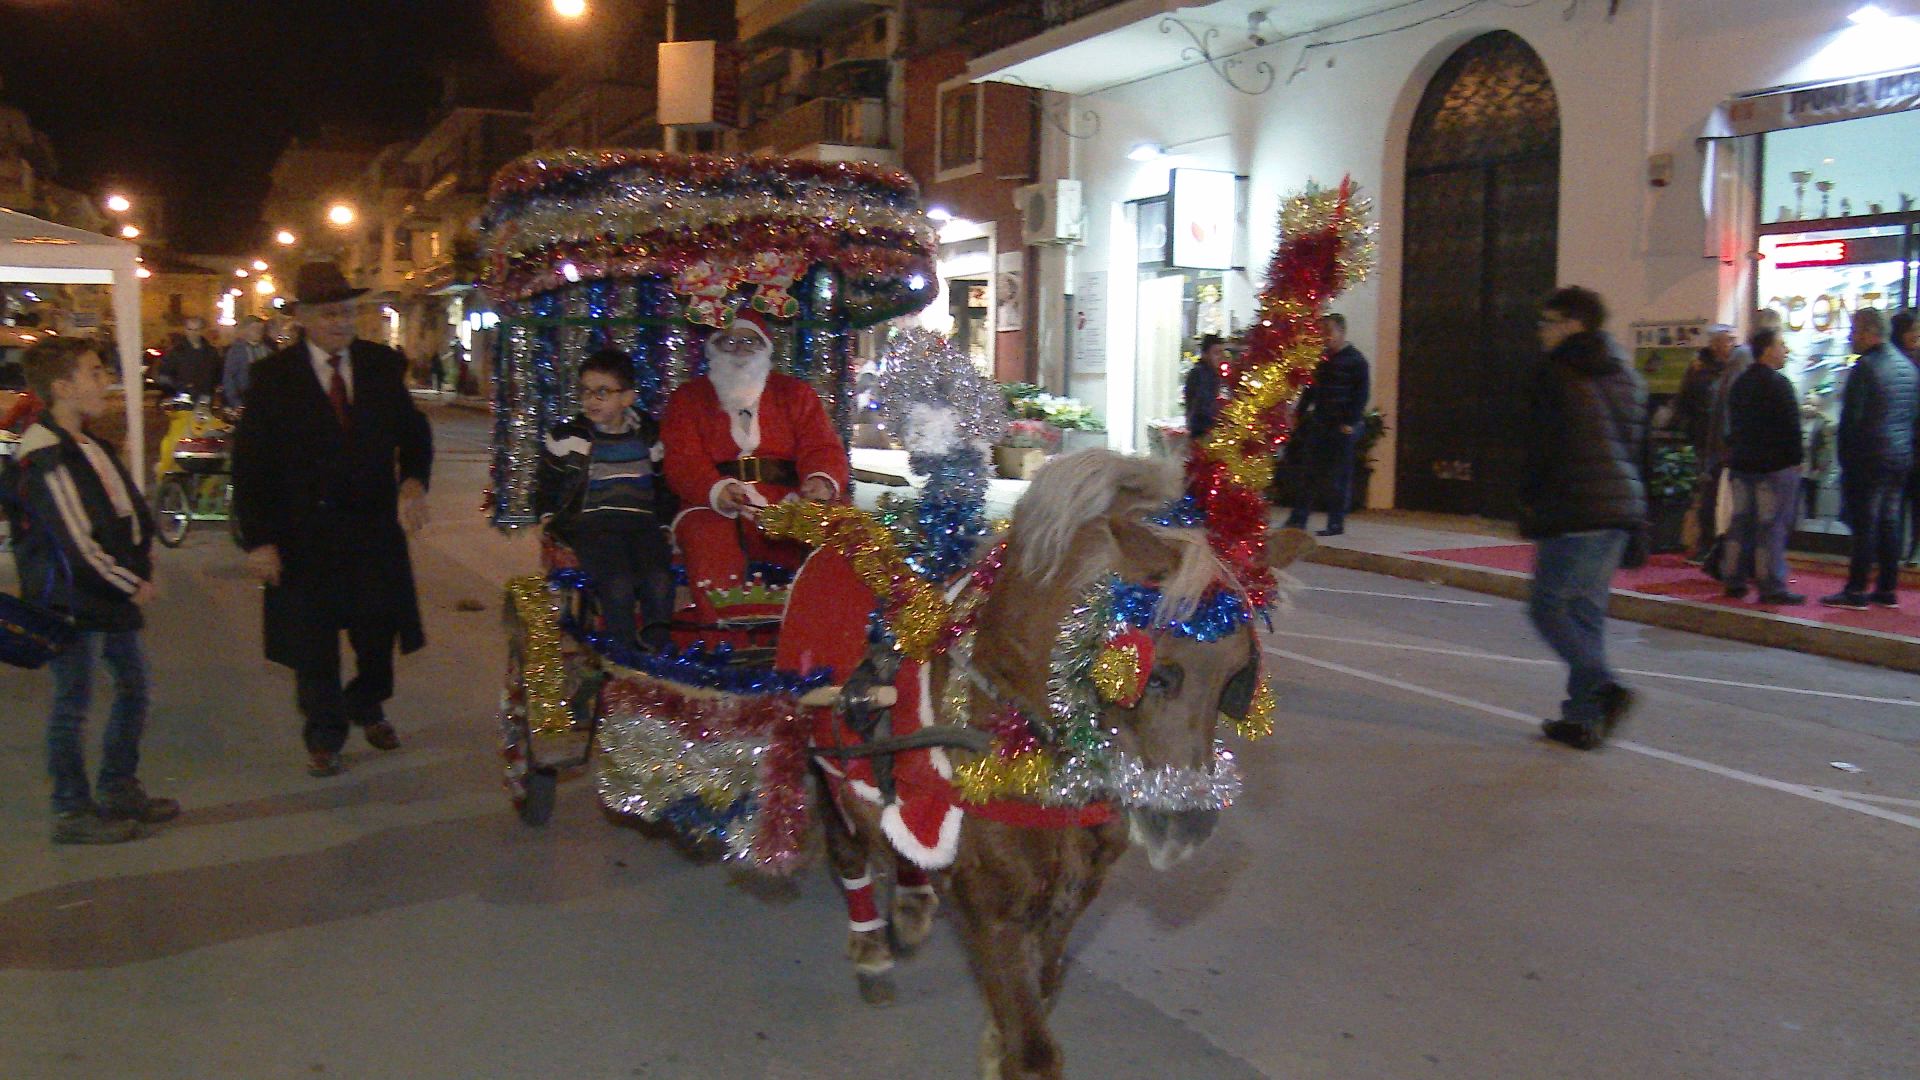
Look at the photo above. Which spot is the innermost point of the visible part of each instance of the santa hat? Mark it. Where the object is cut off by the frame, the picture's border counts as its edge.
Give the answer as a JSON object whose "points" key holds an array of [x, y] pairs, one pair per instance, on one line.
{"points": [[749, 321]]}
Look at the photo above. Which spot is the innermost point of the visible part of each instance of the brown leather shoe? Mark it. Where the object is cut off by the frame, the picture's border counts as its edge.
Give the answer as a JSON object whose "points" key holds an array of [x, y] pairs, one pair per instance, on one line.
{"points": [[324, 763], [381, 736]]}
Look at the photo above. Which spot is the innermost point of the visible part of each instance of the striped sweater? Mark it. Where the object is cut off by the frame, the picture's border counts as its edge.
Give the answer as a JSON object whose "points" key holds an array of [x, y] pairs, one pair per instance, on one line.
{"points": [[602, 476]]}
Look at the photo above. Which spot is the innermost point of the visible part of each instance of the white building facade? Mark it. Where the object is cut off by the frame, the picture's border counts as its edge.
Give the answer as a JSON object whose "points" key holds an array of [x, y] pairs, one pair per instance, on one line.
{"points": [[1509, 147]]}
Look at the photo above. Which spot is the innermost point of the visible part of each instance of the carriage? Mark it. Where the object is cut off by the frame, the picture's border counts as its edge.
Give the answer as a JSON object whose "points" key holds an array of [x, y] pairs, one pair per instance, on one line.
{"points": [[998, 712]]}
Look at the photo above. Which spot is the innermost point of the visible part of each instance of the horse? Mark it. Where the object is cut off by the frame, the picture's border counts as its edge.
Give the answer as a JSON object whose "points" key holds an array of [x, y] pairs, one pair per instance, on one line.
{"points": [[1019, 884]]}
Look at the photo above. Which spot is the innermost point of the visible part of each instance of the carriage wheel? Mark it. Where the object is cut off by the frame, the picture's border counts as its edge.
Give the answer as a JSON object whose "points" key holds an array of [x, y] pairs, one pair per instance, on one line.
{"points": [[173, 509], [530, 786]]}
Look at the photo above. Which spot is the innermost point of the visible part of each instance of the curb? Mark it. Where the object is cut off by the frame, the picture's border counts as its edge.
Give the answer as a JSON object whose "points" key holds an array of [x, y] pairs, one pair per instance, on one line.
{"points": [[1775, 631]]}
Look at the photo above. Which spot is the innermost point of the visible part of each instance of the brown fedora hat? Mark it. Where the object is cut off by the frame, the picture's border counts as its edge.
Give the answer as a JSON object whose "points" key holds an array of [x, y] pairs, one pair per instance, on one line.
{"points": [[322, 283]]}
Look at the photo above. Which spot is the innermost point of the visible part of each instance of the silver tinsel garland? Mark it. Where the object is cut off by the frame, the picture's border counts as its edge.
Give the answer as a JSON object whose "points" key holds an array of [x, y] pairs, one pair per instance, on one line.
{"points": [[923, 368]]}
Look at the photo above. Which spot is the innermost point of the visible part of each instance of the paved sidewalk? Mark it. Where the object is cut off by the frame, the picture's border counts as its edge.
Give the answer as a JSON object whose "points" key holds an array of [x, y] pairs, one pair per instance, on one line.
{"points": [[1490, 557]]}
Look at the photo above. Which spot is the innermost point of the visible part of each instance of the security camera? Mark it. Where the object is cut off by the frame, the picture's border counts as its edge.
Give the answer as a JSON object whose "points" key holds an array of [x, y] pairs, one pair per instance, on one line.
{"points": [[1256, 20]]}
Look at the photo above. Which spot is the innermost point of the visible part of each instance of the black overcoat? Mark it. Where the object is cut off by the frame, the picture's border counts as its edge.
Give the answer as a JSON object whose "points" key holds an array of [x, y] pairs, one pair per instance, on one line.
{"points": [[327, 497]]}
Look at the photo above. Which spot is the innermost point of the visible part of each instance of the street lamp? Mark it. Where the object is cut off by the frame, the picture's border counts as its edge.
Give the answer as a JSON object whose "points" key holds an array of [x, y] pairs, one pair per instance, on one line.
{"points": [[131, 232], [570, 9], [340, 215], [285, 238], [259, 266], [264, 287], [119, 204], [240, 271]]}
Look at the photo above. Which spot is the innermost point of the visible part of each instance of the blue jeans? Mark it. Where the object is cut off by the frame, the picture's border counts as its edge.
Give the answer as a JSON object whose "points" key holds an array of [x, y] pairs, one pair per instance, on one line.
{"points": [[73, 693], [1765, 506], [1871, 509], [1572, 576]]}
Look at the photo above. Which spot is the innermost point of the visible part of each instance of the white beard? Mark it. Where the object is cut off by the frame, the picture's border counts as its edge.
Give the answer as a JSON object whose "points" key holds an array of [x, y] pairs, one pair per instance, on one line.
{"points": [[739, 381]]}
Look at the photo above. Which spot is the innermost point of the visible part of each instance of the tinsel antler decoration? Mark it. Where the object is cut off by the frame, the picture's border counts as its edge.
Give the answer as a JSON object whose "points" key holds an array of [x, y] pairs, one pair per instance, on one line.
{"points": [[1326, 245]]}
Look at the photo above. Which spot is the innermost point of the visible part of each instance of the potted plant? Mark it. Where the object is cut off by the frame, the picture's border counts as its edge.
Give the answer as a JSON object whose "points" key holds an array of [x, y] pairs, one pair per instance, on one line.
{"points": [[1670, 486], [1041, 424]]}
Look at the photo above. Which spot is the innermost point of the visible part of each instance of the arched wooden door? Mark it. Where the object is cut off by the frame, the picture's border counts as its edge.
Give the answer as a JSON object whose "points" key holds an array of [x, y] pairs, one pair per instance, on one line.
{"points": [[1482, 242]]}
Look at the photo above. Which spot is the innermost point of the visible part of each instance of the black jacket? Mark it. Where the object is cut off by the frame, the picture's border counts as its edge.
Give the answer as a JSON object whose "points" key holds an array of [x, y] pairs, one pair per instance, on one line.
{"points": [[1763, 422], [1693, 406], [1585, 440], [76, 551], [1200, 395], [1339, 392], [328, 498], [1877, 412], [560, 484], [193, 369]]}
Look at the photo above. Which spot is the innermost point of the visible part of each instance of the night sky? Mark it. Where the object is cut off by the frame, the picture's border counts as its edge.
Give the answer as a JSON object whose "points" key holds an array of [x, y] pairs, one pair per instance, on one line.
{"points": [[194, 99]]}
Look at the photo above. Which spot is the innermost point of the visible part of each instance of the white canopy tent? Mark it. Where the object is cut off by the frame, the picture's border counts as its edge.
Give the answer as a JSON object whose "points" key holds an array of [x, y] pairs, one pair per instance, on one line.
{"points": [[33, 251]]}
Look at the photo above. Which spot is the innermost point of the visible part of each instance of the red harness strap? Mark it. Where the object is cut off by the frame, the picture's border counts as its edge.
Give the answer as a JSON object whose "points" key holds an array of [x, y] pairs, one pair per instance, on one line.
{"points": [[1028, 815]]}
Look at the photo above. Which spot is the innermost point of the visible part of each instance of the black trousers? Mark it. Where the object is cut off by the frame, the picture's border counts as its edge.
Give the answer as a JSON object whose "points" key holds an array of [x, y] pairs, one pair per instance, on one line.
{"points": [[1872, 505], [328, 707], [626, 563]]}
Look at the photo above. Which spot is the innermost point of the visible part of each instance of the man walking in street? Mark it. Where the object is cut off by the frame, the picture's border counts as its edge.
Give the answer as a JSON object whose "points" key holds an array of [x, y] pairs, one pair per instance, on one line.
{"points": [[193, 365], [248, 348], [1876, 453], [330, 468], [1764, 453], [1582, 496], [1694, 413], [1331, 416]]}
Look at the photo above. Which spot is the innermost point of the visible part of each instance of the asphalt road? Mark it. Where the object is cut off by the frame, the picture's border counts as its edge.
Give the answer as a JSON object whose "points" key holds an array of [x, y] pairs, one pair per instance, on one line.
{"points": [[1414, 886]]}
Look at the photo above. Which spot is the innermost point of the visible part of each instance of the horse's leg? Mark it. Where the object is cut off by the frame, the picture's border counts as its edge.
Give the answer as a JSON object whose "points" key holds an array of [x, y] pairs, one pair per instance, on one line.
{"points": [[1016, 1045], [867, 946], [914, 903]]}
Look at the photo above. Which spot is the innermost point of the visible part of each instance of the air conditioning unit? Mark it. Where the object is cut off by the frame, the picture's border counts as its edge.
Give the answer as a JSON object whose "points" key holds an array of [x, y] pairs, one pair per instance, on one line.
{"points": [[1050, 212]]}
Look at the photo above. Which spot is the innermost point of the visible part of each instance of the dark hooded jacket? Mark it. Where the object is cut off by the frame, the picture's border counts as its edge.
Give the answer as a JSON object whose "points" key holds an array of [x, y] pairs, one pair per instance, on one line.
{"points": [[1585, 436], [77, 551]]}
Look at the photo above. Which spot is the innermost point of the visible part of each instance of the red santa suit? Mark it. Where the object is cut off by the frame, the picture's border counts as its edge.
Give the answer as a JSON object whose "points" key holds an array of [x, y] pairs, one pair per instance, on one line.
{"points": [[719, 432]]}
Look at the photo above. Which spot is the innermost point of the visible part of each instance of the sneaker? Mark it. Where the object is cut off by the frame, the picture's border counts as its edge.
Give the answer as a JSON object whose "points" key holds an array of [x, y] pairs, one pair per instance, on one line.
{"points": [[324, 763], [1616, 702], [88, 827], [381, 736], [1575, 733], [1734, 592], [130, 802], [1884, 599], [1782, 599], [1852, 601]]}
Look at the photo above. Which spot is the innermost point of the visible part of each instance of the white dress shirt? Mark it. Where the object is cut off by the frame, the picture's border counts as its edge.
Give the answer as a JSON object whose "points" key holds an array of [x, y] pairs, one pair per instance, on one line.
{"points": [[323, 367]]}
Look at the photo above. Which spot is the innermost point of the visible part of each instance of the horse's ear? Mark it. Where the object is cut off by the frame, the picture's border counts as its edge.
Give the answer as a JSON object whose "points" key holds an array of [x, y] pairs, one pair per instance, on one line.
{"points": [[1143, 555], [1284, 546]]}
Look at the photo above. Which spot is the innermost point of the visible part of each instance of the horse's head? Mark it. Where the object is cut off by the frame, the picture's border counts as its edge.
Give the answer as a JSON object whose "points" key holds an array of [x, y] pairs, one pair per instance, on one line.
{"points": [[1083, 523]]}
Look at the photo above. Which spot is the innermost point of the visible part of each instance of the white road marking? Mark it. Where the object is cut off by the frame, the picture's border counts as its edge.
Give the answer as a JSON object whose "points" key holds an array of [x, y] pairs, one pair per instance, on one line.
{"points": [[1471, 654], [1869, 797], [1395, 596], [1819, 795]]}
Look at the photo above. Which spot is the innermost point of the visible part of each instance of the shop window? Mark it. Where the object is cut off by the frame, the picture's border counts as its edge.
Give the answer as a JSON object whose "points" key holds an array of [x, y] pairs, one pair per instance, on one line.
{"points": [[957, 138]]}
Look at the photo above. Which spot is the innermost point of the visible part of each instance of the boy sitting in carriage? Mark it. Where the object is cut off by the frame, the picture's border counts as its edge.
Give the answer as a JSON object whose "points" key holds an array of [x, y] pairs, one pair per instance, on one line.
{"points": [[598, 490], [741, 437]]}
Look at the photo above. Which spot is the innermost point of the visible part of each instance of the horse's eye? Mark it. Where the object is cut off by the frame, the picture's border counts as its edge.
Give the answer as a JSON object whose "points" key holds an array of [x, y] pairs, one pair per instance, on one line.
{"points": [[1164, 678]]}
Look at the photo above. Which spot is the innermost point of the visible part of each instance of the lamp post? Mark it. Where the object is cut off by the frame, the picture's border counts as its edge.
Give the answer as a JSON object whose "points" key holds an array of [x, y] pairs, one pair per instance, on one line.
{"points": [[285, 238], [340, 215]]}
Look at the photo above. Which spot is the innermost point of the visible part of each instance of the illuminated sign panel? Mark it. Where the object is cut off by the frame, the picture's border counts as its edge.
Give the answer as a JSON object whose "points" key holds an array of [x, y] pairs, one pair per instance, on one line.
{"points": [[1815, 253], [1202, 219]]}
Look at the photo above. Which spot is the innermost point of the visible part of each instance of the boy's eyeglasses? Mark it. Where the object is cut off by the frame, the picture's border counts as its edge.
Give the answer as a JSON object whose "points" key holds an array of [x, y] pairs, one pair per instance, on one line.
{"points": [[602, 393]]}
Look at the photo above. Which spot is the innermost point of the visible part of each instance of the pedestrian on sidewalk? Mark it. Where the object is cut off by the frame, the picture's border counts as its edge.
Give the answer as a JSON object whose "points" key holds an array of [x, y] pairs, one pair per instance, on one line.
{"points": [[1200, 390], [330, 467], [86, 544], [1906, 338], [1719, 426], [1764, 454], [249, 348], [1582, 496], [1693, 411], [1330, 419], [1876, 452], [192, 365]]}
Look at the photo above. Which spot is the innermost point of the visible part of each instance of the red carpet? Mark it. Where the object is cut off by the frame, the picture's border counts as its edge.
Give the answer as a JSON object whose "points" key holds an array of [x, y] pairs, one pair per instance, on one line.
{"points": [[1669, 575]]}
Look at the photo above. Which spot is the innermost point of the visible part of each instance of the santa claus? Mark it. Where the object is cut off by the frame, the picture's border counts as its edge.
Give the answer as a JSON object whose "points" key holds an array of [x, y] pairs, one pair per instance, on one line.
{"points": [[737, 439]]}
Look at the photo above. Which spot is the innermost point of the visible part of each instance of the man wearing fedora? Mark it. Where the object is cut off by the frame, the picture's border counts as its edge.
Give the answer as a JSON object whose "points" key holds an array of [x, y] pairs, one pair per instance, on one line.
{"points": [[330, 469]]}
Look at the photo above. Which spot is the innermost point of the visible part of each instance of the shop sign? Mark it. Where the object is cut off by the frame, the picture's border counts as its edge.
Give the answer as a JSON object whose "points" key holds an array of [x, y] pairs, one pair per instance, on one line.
{"points": [[1200, 234], [1811, 105], [1662, 351], [1810, 253]]}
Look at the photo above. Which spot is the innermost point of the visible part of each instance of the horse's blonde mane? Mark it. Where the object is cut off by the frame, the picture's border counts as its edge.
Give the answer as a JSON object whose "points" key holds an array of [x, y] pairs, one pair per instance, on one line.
{"points": [[1076, 489]]}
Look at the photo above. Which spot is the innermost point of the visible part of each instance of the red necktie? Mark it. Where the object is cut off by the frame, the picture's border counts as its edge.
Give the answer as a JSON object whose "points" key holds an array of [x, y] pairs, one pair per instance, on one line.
{"points": [[337, 390]]}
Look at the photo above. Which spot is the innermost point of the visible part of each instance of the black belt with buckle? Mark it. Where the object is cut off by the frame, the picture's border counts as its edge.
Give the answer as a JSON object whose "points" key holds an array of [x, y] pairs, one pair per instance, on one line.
{"points": [[762, 470]]}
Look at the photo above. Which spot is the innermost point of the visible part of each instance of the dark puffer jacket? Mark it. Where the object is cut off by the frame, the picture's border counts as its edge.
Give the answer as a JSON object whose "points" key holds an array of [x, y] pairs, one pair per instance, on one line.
{"points": [[77, 552], [1877, 412], [1585, 438]]}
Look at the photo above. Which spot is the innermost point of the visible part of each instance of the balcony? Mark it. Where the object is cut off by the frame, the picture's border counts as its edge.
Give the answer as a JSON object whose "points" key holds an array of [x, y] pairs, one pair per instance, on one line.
{"points": [[797, 20], [844, 129]]}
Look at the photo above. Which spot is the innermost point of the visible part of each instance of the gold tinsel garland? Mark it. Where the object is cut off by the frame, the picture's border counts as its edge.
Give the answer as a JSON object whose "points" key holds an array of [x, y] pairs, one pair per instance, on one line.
{"points": [[917, 614], [543, 673], [1259, 720], [1022, 775]]}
